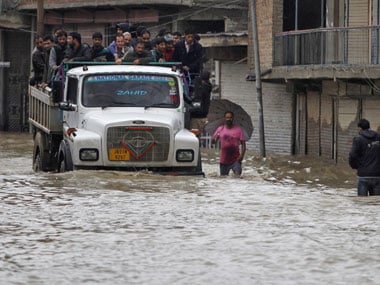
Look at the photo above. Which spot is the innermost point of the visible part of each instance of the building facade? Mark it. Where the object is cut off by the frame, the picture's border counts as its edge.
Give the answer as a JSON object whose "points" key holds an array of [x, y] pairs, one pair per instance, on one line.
{"points": [[319, 60], [321, 65]]}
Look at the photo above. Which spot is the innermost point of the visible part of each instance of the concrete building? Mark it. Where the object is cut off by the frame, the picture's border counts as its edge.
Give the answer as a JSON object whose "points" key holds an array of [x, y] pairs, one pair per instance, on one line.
{"points": [[321, 65]]}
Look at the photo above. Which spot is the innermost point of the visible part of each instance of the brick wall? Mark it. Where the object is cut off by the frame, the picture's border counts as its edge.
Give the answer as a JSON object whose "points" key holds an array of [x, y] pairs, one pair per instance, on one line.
{"points": [[265, 28], [269, 21]]}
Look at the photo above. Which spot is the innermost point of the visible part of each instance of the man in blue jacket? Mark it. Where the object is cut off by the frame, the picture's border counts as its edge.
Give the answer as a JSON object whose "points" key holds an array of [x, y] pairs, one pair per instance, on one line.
{"points": [[365, 158]]}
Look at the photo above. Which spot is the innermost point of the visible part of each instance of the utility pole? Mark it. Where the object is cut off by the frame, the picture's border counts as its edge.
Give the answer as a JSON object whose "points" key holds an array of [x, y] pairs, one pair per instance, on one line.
{"points": [[258, 79], [40, 17]]}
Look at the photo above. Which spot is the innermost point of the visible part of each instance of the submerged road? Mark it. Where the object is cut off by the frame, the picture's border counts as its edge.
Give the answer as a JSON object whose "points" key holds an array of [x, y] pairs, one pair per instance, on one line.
{"points": [[110, 227]]}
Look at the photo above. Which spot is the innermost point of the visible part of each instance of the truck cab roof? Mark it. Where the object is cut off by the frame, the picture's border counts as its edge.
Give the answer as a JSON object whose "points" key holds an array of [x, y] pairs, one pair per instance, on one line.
{"points": [[113, 68]]}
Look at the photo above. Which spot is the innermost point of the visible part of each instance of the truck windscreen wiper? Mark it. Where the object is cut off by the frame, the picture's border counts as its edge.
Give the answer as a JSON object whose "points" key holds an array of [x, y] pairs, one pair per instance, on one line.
{"points": [[159, 105], [118, 104]]}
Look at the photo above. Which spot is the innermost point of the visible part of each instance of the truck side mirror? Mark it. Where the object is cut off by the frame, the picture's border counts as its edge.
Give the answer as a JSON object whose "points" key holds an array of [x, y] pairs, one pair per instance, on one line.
{"points": [[67, 106], [57, 91]]}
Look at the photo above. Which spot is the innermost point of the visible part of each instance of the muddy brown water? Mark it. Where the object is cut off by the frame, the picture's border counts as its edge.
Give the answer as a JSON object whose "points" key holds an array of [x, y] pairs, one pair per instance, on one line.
{"points": [[281, 223]]}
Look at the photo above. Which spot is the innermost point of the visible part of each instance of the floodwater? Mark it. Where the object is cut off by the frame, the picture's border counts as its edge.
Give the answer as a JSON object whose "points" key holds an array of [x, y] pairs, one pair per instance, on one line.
{"points": [[110, 227]]}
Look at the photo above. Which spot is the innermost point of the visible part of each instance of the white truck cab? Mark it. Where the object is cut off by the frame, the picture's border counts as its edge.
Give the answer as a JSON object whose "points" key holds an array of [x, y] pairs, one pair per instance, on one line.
{"points": [[116, 117]]}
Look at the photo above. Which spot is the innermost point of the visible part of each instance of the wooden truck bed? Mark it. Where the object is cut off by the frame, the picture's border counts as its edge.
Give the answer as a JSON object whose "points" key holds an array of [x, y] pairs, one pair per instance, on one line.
{"points": [[43, 113]]}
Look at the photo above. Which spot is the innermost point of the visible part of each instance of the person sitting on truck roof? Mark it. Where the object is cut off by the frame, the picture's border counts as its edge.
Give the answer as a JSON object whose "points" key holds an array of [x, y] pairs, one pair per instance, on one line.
{"points": [[127, 48], [190, 52], [159, 49], [128, 42], [177, 36], [56, 32], [99, 52], [145, 37], [57, 53], [122, 27], [48, 71], [117, 46], [77, 51], [139, 55], [169, 48], [120, 49], [136, 33]]}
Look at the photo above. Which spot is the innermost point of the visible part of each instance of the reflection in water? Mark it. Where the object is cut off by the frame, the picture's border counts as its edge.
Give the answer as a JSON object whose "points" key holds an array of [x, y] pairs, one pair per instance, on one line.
{"points": [[109, 227]]}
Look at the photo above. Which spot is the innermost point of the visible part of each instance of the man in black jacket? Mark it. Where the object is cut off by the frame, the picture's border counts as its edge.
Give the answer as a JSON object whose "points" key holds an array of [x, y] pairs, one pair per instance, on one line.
{"points": [[48, 71], [99, 52], [190, 52], [38, 62], [201, 102], [77, 51], [139, 55], [365, 158], [58, 52]]}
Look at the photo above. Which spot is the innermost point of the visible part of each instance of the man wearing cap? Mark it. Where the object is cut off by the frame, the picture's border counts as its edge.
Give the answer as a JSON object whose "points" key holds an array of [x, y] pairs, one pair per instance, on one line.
{"points": [[365, 158], [77, 51]]}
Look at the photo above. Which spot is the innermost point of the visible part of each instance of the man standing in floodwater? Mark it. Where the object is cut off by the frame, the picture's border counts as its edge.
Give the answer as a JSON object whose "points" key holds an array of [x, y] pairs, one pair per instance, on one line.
{"points": [[365, 158], [231, 136]]}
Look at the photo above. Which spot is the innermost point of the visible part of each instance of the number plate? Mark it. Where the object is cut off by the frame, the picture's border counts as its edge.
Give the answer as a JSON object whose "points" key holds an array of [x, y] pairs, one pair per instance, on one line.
{"points": [[118, 154]]}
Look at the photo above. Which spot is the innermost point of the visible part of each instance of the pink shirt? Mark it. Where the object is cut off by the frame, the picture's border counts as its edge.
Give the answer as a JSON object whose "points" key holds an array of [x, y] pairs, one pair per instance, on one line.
{"points": [[230, 140]]}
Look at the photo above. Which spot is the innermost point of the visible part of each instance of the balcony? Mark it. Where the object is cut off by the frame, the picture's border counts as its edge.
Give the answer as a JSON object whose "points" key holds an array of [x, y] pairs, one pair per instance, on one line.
{"points": [[344, 46]]}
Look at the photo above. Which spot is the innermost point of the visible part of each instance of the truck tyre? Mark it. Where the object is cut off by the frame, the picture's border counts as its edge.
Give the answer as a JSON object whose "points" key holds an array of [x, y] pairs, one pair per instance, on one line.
{"points": [[41, 156], [65, 162]]}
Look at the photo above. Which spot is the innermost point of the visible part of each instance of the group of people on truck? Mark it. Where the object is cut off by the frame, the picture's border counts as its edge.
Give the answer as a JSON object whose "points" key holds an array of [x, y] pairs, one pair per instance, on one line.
{"points": [[135, 46]]}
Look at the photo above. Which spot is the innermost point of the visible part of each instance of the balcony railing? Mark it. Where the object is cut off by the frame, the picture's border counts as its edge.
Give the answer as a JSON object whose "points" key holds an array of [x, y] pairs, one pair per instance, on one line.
{"points": [[346, 46]]}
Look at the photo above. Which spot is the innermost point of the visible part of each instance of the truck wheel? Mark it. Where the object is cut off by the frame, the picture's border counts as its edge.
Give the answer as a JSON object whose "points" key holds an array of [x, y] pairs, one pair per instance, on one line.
{"points": [[37, 163], [65, 162], [41, 157], [198, 168]]}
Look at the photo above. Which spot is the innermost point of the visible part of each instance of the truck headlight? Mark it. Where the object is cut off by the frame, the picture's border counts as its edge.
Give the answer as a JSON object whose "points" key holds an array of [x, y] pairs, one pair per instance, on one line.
{"points": [[185, 155], [89, 154]]}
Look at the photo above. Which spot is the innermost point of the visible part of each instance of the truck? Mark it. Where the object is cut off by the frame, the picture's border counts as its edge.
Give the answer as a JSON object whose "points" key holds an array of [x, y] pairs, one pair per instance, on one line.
{"points": [[109, 116]]}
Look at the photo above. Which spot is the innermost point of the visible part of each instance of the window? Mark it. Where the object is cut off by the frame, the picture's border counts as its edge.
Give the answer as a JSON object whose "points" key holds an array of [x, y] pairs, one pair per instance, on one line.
{"points": [[72, 90], [304, 14], [134, 90]]}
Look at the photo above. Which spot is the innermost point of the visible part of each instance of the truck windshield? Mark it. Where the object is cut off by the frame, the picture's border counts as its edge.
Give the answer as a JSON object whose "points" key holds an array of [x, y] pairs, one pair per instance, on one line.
{"points": [[139, 90]]}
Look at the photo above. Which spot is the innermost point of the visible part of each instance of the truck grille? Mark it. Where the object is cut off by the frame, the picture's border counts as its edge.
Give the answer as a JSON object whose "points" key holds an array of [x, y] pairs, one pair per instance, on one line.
{"points": [[140, 143]]}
